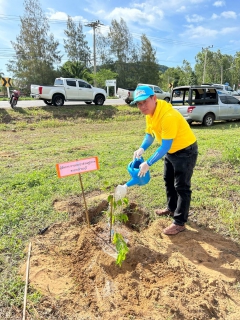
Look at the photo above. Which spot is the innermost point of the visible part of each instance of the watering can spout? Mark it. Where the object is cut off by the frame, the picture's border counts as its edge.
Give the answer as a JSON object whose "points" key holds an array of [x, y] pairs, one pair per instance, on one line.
{"points": [[133, 169], [131, 183]]}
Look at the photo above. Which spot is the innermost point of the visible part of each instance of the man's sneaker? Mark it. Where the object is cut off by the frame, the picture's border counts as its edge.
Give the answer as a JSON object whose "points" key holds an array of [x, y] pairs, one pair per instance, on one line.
{"points": [[164, 212], [174, 229]]}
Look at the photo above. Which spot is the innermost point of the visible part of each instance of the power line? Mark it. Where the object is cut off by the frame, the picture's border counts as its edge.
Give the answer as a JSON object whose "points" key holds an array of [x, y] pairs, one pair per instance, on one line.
{"points": [[136, 35], [96, 24]]}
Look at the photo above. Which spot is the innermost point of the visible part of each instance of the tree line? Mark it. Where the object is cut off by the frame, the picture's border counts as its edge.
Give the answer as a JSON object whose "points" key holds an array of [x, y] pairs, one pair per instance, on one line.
{"points": [[38, 58]]}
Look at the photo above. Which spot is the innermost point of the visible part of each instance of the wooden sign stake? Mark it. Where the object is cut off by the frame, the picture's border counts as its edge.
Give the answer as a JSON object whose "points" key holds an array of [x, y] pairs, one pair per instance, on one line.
{"points": [[84, 199], [111, 215], [26, 282], [78, 167]]}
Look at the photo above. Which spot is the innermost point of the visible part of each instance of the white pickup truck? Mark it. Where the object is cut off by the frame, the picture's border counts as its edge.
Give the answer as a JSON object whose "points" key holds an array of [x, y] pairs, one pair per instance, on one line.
{"points": [[127, 94], [68, 89]]}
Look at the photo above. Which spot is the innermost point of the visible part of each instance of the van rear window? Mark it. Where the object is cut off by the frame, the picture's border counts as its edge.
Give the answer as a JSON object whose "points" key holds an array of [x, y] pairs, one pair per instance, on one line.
{"points": [[193, 95]]}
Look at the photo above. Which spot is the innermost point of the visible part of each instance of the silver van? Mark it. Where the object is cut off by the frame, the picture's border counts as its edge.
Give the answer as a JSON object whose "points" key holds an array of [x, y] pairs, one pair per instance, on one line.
{"points": [[202, 103]]}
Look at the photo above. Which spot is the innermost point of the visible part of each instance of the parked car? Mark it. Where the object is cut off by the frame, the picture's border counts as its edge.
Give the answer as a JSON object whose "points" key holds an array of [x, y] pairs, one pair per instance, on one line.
{"points": [[177, 93], [127, 94], [202, 103], [223, 88]]}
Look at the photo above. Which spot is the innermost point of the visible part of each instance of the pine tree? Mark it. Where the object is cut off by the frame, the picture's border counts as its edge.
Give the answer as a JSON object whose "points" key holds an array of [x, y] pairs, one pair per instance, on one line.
{"points": [[149, 67], [75, 45], [123, 51], [36, 50]]}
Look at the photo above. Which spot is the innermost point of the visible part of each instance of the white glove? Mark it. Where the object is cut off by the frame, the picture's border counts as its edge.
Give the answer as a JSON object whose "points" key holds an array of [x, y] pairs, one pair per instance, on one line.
{"points": [[144, 167], [138, 153], [120, 192]]}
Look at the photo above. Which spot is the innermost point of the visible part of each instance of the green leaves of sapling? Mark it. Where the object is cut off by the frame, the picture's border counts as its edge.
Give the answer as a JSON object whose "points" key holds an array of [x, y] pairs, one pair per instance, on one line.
{"points": [[114, 216], [121, 247]]}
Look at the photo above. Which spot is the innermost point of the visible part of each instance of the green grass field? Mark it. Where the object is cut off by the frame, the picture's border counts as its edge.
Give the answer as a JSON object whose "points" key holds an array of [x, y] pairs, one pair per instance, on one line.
{"points": [[34, 140]]}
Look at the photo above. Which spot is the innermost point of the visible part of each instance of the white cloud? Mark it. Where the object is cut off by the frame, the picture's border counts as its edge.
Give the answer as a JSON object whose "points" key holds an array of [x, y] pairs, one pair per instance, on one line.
{"points": [[148, 16], [214, 16], [225, 31], [225, 15], [62, 16], [200, 32], [194, 18], [197, 1], [203, 33], [3, 5], [229, 15], [181, 9], [56, 15], [97, 13], [219, 3]]}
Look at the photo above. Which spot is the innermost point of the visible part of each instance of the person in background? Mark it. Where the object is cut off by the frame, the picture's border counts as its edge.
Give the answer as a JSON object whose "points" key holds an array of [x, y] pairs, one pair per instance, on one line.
{"points": [[179, 149]]}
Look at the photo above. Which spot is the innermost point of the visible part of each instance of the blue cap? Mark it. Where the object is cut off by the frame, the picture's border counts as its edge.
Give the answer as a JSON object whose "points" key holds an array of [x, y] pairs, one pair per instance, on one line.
{"points": [[142, 93]]}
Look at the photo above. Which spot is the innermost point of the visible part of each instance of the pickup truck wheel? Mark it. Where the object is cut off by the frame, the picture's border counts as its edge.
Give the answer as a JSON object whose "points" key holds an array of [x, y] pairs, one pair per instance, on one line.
{"points": [[208, 119], [99, 99], [167, 99], [88, 102], [58, 100], [48, 102]]}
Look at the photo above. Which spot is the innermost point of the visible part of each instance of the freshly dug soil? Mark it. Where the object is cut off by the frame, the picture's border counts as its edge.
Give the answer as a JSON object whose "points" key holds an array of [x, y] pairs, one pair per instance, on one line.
{"points": [[193, 275]]}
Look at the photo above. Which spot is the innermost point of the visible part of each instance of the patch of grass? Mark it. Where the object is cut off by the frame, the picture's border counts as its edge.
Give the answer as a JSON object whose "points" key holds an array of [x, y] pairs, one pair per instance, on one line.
{"points": [[21, 98], [34, 140], [232, 154]]}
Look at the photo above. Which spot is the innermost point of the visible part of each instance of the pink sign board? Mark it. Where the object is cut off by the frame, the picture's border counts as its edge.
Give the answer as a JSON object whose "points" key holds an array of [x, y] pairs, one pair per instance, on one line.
{"points": [[75, 167]]}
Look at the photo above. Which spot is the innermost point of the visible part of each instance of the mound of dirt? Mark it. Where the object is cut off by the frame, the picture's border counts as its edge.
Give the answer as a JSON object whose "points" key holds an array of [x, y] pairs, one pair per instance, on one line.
{"points": [[194, 275]]}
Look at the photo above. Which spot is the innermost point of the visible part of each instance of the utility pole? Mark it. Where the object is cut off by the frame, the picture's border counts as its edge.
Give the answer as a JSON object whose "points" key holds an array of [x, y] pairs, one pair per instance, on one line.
{"points": [[94, 25], [205, 60]]}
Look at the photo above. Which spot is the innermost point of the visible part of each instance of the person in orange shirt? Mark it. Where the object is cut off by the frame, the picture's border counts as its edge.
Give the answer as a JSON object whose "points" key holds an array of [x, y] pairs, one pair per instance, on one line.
{"points": [[179, 149]]}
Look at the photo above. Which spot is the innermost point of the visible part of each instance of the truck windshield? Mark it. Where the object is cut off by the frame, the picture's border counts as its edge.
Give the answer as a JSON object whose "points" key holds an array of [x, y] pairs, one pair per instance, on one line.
{"points": [[58, 82]]}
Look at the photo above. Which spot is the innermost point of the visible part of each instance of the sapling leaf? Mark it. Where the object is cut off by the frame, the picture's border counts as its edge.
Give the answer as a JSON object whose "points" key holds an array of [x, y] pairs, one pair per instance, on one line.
{"points": [[123, 217], [122, 248], [110, 197], [119, 202]]}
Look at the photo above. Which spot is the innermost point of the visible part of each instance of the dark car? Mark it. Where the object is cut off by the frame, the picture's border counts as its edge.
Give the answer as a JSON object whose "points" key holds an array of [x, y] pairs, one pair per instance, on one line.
{"points": [[177, 93]]}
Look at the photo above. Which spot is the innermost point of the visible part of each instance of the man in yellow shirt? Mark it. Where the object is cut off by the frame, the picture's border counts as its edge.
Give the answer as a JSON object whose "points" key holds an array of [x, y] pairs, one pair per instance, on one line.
{"points": [[178, 145]]}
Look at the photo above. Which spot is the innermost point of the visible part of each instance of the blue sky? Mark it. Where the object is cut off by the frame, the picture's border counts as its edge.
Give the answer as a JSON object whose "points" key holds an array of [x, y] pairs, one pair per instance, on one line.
{"points": [[177, 29]]}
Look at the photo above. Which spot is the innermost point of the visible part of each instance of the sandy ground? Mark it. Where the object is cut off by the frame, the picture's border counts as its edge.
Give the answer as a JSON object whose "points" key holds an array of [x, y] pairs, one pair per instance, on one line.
{"points": [[194, 275]]}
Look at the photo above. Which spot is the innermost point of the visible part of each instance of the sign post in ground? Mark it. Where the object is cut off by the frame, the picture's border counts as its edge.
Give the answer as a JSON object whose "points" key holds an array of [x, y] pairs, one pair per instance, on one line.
{"points": [[78, 167]]}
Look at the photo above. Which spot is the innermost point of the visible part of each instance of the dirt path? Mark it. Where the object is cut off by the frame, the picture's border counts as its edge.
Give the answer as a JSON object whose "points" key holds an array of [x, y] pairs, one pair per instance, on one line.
{"points": [[194, 275]]}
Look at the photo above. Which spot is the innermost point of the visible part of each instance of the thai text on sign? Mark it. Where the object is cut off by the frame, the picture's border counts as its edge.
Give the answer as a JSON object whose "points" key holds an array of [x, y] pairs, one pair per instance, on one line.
{"points": [[75, 167]]}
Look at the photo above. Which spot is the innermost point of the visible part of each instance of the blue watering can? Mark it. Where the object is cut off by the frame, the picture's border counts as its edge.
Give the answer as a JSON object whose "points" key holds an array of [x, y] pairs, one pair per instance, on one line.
{"points": [[133, 169]]}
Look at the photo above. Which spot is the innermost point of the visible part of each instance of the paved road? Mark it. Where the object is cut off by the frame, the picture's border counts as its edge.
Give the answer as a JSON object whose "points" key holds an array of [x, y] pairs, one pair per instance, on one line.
{"points": [[40, 103]]}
